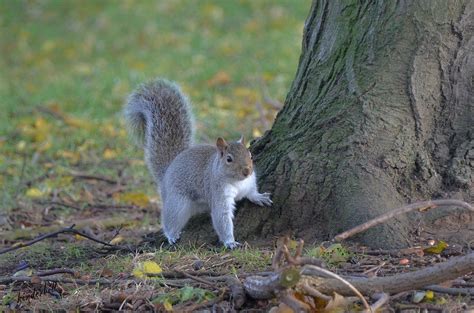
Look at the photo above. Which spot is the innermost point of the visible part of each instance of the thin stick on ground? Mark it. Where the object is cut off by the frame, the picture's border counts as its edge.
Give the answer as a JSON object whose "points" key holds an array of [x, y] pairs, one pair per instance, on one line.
{"points": [[56, 271], [93, 177], [9, 280], [381, 300], [321, 270], [422, 206], [67, 230], [199, 279]]}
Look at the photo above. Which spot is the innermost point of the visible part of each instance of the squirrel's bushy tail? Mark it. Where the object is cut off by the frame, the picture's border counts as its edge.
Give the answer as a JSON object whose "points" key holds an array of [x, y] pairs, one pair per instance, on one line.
{"points": [[159, 116]]}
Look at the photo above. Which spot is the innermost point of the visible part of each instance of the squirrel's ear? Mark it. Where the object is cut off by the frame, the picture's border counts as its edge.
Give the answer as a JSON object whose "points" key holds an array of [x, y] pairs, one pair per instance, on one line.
{"points": [[241, 140], [221, 145]]}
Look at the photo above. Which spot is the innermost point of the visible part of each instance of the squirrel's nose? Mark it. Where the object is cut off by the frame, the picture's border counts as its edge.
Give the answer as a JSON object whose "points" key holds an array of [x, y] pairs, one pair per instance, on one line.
{"points": [[246, 171]]}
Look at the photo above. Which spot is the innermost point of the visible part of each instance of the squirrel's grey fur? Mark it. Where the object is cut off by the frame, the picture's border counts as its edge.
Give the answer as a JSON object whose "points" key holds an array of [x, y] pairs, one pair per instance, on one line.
{"points": [[192, 178]]}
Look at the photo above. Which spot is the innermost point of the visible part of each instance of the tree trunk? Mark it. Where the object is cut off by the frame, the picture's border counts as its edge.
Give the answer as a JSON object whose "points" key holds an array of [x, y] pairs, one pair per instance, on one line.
{"points": [[380, 114]]}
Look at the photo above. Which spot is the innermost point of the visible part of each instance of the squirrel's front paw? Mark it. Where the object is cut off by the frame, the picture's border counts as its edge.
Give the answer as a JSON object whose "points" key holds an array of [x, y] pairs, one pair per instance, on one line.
{"points": [[262, 199], [232, 245], [172, 240]]}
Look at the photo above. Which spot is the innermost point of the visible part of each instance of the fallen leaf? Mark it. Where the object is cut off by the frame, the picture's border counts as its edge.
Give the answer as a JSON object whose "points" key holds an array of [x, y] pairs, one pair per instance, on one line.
{"points": [[135, 198], [106, 272], [437, 248], [429, 295], [142, 270], [337, 304], [167, 305], [118, 239], [79, 237], [220, 78], [109, 154], [35, 193], [73, 157], [35, 279], [151, 267]]}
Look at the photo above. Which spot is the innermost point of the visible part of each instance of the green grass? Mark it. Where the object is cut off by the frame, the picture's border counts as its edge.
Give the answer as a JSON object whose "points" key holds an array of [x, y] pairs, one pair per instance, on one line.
{"points": [[82, 58]]}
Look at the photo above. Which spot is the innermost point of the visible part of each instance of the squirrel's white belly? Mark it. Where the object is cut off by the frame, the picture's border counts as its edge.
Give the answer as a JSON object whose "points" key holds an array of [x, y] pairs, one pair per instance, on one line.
{"points": [[241, 189]]}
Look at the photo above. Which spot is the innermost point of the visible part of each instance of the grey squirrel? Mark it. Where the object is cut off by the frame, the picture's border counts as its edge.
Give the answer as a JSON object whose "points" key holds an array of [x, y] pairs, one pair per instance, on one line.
{"points": [[192, 178]]}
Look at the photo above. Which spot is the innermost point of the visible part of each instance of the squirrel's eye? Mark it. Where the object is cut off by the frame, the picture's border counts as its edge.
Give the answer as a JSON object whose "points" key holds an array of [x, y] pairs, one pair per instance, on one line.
{"points": [[229, 159]]}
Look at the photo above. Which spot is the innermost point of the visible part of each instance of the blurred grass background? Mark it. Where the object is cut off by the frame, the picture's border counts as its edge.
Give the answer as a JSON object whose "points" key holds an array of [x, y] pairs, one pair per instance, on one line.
{"points": [[67, 66]]}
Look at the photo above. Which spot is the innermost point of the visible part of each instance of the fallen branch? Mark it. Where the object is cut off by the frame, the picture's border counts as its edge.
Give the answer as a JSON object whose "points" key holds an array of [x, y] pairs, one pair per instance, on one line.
{"points": [[454, 268], [451, 291], [67, 230], [421, 206]]}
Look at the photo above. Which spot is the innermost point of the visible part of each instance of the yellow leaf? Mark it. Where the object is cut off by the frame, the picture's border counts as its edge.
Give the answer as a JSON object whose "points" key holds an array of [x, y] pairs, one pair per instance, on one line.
{"points": [[151, 267], [256, 133], [78, 237], [77, 122], [109, 154], [437, 248], [429, 295], [168, 306], [142, 270], [34, 193], [109, 130], [222, 102], [220, 78], [74, 157], [135, 198], [138, 273], [249, 94], [118, 239]]}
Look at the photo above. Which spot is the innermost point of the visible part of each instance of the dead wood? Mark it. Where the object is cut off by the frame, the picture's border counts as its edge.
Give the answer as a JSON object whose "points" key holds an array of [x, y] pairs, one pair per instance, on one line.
{"points": [[451, 291], [421, 206], [454, 268]]}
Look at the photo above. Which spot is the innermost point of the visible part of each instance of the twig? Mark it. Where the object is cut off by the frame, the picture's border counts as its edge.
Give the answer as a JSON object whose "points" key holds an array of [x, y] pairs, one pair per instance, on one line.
{"points": [[314, 293], [28, 183], [93, 177], [56, 271], [341, 280], [394, 252], [451, 291], [66, 230], [179, 274], [296, 305], [9, 280], [198, 279], [422, 206], [66, 205], [381, 300]]}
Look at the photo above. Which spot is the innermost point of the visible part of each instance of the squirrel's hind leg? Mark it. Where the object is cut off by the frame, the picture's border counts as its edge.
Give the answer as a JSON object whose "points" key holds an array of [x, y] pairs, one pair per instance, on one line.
{"points": [[175, 213]]}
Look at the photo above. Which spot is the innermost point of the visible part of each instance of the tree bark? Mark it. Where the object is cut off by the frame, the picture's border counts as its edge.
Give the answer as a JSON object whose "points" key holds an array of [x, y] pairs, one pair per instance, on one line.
{"points": [[380, 114]]}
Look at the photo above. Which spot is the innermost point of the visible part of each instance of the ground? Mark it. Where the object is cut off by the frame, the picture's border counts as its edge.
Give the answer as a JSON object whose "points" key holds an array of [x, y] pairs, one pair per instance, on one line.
{"points": [[66, 159]]}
